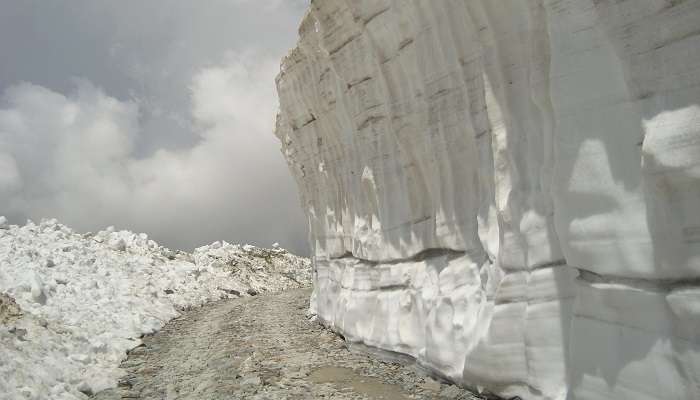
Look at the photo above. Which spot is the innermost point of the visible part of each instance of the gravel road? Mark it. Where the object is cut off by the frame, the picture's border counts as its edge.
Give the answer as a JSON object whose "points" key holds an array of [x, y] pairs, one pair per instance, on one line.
{"points": [[263, 347]]}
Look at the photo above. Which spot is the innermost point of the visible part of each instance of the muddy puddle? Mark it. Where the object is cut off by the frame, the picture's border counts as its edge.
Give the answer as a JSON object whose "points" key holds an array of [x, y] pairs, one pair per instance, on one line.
{"points": [[346, 378]]}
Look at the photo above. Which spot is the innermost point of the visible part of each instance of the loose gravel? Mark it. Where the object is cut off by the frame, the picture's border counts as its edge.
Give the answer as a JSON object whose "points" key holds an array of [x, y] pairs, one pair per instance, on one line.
{"points": [[264, 347]]}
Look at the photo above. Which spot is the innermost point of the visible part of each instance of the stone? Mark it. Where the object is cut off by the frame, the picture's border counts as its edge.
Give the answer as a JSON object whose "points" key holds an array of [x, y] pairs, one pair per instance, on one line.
{"points": [[9, 309], [450, 392], [431, 385]]}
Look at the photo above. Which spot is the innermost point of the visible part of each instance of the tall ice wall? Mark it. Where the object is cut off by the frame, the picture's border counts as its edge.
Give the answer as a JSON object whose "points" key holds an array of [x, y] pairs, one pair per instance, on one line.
{"points": [[506, 190]]}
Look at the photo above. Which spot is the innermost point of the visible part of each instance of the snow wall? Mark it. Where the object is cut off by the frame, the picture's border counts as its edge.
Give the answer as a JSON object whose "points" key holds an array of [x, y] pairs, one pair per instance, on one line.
{"points": [[506, 190]]}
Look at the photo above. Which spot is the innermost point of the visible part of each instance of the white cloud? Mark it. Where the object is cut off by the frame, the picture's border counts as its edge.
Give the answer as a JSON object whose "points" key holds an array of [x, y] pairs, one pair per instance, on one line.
{"points": [[73, 157], [238, 91], [9, 174]]}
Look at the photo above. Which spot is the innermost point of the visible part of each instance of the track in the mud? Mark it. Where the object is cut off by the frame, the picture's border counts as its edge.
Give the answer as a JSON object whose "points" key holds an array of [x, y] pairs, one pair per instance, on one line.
{"points": [[263, 348]]}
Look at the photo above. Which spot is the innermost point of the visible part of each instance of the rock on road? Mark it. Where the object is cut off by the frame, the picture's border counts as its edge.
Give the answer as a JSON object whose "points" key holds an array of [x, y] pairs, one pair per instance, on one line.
{"points": [[263, 347]]}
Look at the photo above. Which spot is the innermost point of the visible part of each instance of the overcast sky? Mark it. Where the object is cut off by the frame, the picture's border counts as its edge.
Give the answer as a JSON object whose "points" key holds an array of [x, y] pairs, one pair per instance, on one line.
{"points": [[150, 115]]}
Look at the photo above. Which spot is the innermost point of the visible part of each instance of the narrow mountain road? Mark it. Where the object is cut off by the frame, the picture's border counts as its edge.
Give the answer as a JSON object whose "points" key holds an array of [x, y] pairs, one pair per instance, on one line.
{"points": [[263, 347]]}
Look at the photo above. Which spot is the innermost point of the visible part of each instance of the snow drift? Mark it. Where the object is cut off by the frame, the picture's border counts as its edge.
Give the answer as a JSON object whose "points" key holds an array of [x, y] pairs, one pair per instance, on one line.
{"points": [[71, 305], [508, 191]]}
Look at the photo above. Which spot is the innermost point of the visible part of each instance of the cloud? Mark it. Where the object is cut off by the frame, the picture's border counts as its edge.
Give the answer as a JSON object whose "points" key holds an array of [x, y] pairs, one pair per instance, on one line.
{"points": [[75, 157], [9, 174]]}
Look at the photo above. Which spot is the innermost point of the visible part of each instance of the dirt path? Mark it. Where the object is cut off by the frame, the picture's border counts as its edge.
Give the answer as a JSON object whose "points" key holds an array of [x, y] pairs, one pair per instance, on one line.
{"points": [[263, 348]]}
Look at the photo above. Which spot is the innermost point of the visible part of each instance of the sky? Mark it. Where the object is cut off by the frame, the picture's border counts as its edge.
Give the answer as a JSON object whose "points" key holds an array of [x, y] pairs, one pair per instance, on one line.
{"points": [[154, 116]]}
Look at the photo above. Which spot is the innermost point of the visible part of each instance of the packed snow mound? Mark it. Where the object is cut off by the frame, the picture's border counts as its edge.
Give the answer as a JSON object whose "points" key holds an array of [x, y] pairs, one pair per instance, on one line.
{"points": [[260, 269], [508, 191], [71, 304]]}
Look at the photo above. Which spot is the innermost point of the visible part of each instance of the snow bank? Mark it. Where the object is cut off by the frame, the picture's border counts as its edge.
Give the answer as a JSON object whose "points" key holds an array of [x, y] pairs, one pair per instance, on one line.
{"points": [[87, 299], [509, 191]]}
